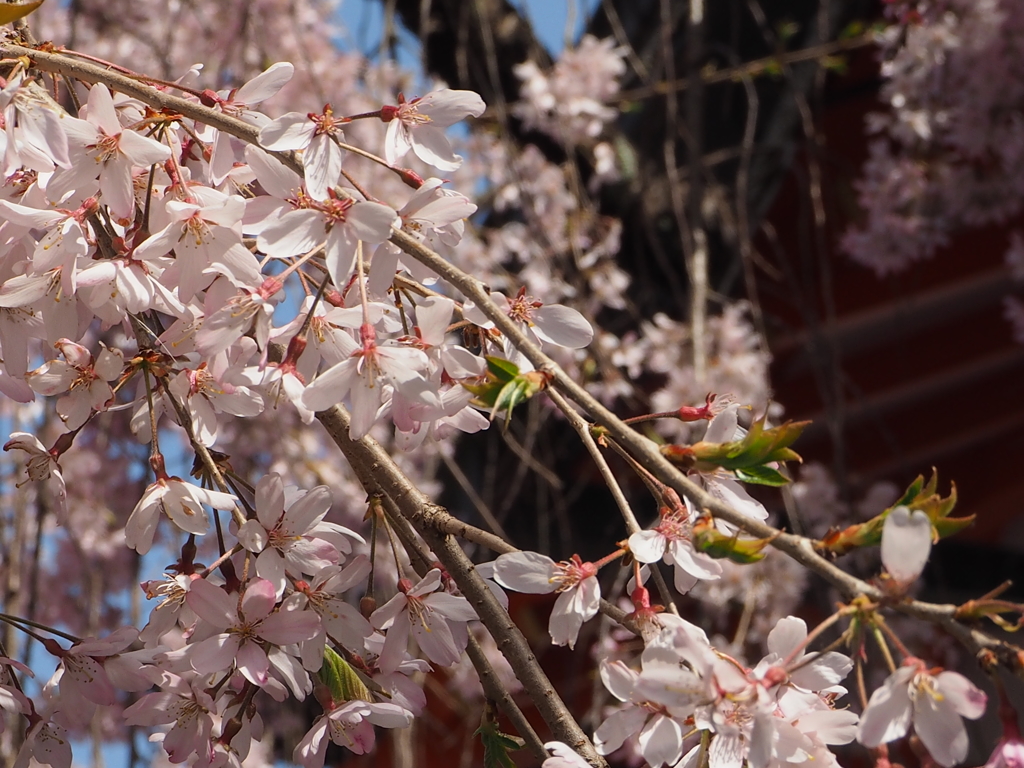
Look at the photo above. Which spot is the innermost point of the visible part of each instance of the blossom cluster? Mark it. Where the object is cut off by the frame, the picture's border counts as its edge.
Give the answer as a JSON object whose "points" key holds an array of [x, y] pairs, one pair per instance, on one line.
{"points": [[157, 272]]}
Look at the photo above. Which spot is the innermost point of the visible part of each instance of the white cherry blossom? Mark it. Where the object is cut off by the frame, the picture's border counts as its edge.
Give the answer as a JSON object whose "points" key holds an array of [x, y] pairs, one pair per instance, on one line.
{"points": [[671, 540], [85, 377], [579, 593], [419, 125], [103, 155], [182, 502], [933, 703], [906, 543], [317, 135]]}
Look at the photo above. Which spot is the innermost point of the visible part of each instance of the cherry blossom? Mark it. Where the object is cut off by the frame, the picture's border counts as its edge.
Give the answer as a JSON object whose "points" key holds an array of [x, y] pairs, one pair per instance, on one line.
{"points": [[562, 756], [551, 323], [418, 125], [340, 223], [426, 614], [41, 465], [349, 725], [933, 702], [182, 702], [182, 502], [100, 140], [579, 593], [364, 376], [906, 543], [660, 735], [285, 530], [85, 377], [317, 135], [672, 540], [240, 626]]}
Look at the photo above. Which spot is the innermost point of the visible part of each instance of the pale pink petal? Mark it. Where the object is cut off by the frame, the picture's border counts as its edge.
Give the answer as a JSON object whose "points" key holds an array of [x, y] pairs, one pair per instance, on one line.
{"points": [[618, 679], [340, 253], [371, 222], [426, 585], [287, 627], [432, 147], [451, 607], [527, 572], [142, 150], [116, 186], [322, 160], [290, 131], [647, 546], [214, 654], [563, 326], [294, 233], [253, 536], [968, 700], [446, 107], [940, 728], [331, 386], [312, 749], [212, 604], [434, 637], [889, 711], [906, 543], [566, 620], [265, 84], [384, 617], [253, 663], [786, 636], [661, 742], [259, 600], [101, 111], [396, 142], [309, 510], [614, 731]]}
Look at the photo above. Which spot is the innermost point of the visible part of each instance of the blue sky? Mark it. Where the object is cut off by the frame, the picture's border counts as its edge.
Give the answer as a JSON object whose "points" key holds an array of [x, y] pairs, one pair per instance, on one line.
{"points": [[364, 19]]}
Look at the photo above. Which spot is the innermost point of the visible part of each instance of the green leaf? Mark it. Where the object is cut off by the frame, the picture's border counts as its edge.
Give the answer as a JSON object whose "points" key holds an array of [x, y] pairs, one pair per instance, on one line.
{"points": [[762, 475], [501, 369], [504, 387], [341, 679], [758, 447], [496, 745]]}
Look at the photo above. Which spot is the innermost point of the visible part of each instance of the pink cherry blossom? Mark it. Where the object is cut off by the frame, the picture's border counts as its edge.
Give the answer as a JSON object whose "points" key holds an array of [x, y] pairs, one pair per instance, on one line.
{"points": [[85, 377], [426, 614], [349, 725], [284, 532], [576, 582], [242, 626], [187, 705]]}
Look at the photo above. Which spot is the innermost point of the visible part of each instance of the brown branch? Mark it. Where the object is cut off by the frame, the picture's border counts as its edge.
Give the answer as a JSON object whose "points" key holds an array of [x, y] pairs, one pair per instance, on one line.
{"points": [[373, 465]]}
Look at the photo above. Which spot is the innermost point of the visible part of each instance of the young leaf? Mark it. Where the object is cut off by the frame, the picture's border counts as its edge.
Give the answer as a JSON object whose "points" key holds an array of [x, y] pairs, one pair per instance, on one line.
{"points": [[342, 681], [496, 744]]}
